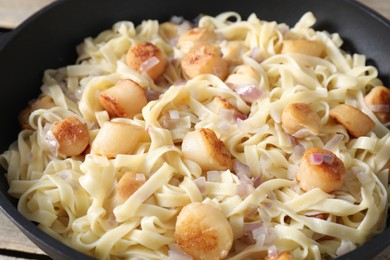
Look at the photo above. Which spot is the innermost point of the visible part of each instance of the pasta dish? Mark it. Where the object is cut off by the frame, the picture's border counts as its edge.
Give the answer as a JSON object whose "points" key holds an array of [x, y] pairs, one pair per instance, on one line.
{"points": [[221, 138]]}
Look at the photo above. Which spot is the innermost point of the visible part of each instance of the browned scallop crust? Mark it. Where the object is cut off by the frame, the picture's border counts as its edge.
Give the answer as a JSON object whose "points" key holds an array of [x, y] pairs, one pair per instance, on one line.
{"points": [[355, 121], [127, 185], [125, 99], [203, 232], [143, 51], [72, 136], [327, 177], [300, 115], [380, 96], [217, 148], [197, 36], [204, 59]]}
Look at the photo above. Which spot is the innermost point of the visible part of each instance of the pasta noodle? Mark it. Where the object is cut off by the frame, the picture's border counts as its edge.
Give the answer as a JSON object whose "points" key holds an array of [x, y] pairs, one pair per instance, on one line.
{"points": [[75, 198]]}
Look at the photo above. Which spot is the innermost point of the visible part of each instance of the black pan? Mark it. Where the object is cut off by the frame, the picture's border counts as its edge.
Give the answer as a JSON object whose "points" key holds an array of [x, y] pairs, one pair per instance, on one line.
{"points": [[48, 40]]}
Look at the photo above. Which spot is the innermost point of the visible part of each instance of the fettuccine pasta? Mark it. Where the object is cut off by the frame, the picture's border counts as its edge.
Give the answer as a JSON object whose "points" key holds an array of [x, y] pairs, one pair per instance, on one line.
{"points": [[225, 128]]}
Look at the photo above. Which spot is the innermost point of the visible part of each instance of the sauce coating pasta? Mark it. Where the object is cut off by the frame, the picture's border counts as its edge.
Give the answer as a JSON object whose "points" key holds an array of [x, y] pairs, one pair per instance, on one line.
{"points": [[240, 123]]}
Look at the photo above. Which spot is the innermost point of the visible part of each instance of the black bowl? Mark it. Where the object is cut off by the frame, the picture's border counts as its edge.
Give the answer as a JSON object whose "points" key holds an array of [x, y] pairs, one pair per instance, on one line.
{"points": [[48, 40]]}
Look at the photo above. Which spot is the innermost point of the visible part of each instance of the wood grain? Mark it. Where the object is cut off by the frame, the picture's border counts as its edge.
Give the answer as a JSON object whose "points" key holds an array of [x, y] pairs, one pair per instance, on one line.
{"points": [[12, 13]]}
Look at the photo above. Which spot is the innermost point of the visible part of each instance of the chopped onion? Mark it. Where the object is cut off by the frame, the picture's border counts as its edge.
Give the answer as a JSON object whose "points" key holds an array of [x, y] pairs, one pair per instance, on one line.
{"points": [[301, 133], [379, 108], [241, 168], [223, 126], [243, 190], [51, 141], [333, 142], [174, 254], [272, 251], [249, 93], [249, 227], [177, 19], [256, 181], [328, 158], [149, 63], [140, 177], [214, 176], [316, 158], [226, 114], [174, 114], [240, 116], [255, 54], [297, 153], [201, 184], [152, 94]]}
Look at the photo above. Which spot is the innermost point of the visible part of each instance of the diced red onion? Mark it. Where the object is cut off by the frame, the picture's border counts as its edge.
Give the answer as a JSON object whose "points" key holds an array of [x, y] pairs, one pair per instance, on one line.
{"points": [[214, 176], [301, 133], [241, 168], [51, 141], [201, 184], [328, 158], [178, 255], [152, 94], [224, 126], [291, 171], [243, 190], [316, 158], [264, 216], [249, 93], [255, 54], [177, 19], [298, 152], [149, 63], [226, 114], [333, 142], [292, 140], [256, 181], [249, 227], [140, 177], [379, 108], [272, 251], [174, 114], [240, 116]]}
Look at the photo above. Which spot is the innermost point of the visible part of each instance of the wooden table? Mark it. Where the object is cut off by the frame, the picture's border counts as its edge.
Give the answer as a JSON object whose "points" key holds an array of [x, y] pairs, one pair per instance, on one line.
{"points": [[13, 244]]}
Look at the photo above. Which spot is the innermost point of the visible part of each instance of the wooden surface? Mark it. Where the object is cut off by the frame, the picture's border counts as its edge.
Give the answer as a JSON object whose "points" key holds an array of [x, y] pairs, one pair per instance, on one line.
{"points": [[13, 244]]}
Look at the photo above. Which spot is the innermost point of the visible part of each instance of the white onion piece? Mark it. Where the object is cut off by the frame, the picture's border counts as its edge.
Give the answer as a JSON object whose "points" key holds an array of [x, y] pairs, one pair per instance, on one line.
{"points": [[152, 94], [333, 142], [149, 63], [201, 184], [214, 176], [249, 93], [297, 153]]}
